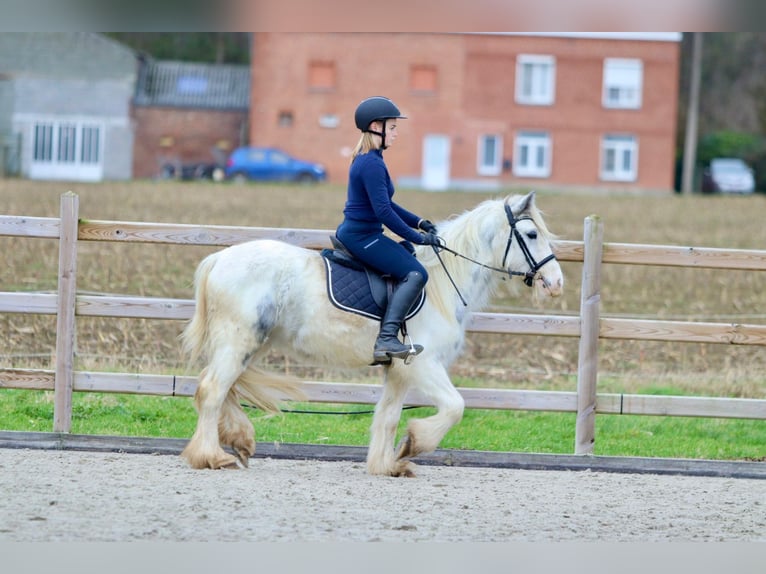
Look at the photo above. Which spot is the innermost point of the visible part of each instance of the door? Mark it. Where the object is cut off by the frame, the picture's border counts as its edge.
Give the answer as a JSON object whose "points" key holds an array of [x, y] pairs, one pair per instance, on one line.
{"points": [[67, 150], [436, 162]]}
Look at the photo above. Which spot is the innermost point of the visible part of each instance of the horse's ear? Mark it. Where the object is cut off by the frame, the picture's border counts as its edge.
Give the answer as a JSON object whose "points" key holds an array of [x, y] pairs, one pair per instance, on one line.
{"points": [[521, 204]]}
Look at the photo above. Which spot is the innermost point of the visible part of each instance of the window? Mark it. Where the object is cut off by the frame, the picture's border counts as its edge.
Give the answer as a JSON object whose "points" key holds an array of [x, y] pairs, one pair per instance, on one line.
{"points": [[89, 151], [623, 81], [67, 142], [532, 157], [423, 78], [43, 142], [285, 119], [322, 75], [490, 152], [65, 148], [535, 80], [619, 158]]}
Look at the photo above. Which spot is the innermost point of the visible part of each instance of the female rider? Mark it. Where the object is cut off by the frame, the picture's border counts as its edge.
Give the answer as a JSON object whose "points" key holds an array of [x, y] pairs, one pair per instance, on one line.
{"points": [[369, 207]]}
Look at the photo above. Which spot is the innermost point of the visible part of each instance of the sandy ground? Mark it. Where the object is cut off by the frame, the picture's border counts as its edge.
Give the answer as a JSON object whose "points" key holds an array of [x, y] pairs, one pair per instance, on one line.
{"points": [[51, 495]]}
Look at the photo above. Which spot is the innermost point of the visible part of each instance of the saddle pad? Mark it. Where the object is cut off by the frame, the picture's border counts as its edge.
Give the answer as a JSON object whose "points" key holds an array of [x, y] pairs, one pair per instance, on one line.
{"points": [[349, 290]]}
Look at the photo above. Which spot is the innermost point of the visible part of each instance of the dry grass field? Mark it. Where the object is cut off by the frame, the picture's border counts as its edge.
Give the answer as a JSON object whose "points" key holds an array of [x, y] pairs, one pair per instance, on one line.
{"points": [[131, 345]]}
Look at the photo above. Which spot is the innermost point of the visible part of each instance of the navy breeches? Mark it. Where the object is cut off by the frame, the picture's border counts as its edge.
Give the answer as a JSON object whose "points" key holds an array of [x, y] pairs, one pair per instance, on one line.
{"points": [[378, 251]]}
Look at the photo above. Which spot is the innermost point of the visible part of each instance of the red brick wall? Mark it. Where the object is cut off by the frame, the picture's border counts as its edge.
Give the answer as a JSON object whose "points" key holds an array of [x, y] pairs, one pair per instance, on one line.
{"points": [[182, 135], [475, 95]]}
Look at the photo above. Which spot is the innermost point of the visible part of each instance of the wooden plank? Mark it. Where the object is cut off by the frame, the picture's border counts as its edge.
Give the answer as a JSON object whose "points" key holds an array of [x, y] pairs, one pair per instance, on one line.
{"points": [[694, 406], [352, 393], [440, 457], [587, 366], [33, 379], [521, 324], [569, 250], [23, 226], [65, 314], [136, 307], [679, 256], [213, 235], [31, 303], [682, 331]]}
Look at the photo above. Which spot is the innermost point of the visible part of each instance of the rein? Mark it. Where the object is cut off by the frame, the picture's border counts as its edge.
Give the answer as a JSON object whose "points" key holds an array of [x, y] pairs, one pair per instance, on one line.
{"points": [[529, 276]]}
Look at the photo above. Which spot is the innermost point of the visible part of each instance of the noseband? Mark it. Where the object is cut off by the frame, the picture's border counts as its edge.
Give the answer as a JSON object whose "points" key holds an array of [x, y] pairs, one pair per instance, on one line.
{"points": [[534, 266]]}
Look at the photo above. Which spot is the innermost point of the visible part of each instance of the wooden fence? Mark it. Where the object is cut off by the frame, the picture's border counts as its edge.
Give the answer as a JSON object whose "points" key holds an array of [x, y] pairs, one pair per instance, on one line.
{"points": [[589, 327]]}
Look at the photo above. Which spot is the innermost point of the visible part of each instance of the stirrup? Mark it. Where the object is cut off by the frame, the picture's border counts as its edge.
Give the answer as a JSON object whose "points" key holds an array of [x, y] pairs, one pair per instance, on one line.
{"points": [[406, 354]]}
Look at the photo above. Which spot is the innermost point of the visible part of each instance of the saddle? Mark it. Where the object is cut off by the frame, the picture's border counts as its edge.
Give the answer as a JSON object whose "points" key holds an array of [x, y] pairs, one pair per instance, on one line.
{"points": [[354, 287]]}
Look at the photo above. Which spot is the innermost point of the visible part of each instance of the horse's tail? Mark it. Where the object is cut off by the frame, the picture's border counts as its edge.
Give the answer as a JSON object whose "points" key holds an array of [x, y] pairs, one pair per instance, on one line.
{"points": [[194, 336], [266, 390]]}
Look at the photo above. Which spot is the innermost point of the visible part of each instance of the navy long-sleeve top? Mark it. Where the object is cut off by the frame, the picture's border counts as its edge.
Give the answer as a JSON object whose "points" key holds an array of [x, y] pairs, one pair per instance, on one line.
{"points": [[370, 198]]}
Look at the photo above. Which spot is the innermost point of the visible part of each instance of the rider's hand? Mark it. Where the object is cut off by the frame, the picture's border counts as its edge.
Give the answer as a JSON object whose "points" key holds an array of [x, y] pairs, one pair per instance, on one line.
{"points": [[427, 226], [432, 239]]}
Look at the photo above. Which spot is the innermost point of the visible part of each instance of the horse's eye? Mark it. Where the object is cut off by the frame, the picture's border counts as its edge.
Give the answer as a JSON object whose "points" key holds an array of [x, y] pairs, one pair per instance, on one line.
{"points": [[532, 234]]}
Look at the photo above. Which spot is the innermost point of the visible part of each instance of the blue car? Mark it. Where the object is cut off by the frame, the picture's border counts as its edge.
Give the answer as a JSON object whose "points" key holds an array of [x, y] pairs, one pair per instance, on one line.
{"points": [[271, 164]]}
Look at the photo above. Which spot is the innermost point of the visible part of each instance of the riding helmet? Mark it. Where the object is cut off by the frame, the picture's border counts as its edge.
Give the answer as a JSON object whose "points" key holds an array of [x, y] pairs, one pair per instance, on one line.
{"points": [[375, 108]]}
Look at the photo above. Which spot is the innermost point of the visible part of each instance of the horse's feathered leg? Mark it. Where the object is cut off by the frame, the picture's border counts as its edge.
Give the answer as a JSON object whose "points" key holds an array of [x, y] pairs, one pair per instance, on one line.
{"points": [[388, 411], [204, 449], [424, 435], [235, 429]]}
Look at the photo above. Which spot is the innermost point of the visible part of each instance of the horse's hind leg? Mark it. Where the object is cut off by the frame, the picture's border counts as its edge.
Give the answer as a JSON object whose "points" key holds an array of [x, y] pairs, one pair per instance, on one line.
{"points": [[235, 429], [424, 435], [204, 449]]}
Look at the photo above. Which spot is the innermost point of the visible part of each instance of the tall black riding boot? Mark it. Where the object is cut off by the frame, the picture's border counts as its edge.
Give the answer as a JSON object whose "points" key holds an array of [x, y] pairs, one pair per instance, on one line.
{"points": [[388, 345]]}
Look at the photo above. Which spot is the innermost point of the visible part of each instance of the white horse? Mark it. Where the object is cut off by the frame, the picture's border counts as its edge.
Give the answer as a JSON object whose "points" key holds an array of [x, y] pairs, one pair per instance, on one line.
{"points": [[266, 294]]}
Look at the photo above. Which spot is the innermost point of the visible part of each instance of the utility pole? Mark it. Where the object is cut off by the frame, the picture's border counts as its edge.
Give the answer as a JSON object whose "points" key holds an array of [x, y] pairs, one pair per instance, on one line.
{"points": [[692, 116]]}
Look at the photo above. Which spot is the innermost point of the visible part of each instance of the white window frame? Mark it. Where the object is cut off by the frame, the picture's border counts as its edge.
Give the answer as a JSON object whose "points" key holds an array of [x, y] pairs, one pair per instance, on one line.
{"points": [[495, 166], [623, 81], [619, 145], [535, 80], [63, 151], [526, 164]]}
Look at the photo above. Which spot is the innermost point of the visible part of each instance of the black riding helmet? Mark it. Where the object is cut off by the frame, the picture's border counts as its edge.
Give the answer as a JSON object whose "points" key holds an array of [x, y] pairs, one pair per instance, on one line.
{"points": [[376, 108]]}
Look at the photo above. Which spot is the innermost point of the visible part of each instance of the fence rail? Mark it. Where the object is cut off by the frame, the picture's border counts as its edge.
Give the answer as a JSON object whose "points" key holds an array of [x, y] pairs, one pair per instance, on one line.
{"points": [[589, 326]]}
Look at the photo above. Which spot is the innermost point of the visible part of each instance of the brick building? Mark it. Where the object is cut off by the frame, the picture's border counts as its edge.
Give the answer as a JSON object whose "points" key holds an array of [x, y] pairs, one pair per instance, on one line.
{"points": [[485, 110], [187, 113]]}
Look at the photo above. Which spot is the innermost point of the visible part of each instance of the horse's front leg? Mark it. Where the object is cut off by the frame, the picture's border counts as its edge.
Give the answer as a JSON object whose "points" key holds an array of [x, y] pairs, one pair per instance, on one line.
{"points": [[424, 435], [381, 457]]}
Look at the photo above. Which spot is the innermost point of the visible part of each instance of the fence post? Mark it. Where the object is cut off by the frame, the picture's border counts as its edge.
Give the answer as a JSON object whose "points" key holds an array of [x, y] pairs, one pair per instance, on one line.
{"points": [[590, 301], [65, 313]]}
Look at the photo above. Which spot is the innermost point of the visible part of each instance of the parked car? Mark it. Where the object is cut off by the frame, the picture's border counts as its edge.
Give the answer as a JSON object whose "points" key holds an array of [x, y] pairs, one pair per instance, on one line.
{"points": [[271, 164], [728, 175], [212, 169]]}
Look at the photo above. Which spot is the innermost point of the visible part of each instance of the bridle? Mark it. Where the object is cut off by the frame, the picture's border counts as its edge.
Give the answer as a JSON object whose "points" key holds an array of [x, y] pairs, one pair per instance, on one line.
{"points": [[534, 266]]}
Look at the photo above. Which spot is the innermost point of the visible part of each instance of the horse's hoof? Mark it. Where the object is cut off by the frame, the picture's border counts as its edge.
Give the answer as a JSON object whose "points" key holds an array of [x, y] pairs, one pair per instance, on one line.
{"points": [[227, 461], [243, 455], [406, 470]]}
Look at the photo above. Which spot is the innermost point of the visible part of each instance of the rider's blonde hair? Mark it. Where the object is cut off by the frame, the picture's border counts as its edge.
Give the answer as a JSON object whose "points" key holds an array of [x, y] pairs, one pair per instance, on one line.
{"points": [[366, 143]]}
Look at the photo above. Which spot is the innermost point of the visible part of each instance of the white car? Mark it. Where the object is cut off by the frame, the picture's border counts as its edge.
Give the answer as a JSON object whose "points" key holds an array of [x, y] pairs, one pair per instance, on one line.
{"points": [[728, 175]]}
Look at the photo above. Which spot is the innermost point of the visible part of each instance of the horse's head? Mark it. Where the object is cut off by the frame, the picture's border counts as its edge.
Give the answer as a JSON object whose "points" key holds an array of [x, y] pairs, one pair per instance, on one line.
{"points": [[528, 246]]}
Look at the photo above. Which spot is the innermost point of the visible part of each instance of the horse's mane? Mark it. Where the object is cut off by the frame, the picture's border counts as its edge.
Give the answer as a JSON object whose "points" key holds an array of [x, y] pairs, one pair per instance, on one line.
{"points": [[471, 233]]}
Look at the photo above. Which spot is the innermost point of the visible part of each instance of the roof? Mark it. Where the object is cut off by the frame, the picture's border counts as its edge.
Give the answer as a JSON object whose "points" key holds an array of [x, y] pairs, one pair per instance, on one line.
{"points": [[82, 55], [194, 85]]}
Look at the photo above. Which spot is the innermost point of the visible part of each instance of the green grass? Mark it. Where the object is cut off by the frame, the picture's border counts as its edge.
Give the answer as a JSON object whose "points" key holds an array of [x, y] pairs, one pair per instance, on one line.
{"points": [[488, 430]]}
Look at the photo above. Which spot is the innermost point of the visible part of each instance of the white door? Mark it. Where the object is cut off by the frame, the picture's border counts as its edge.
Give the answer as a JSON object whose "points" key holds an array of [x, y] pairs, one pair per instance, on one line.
{"points": [[67, 150], [436, 162]]}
